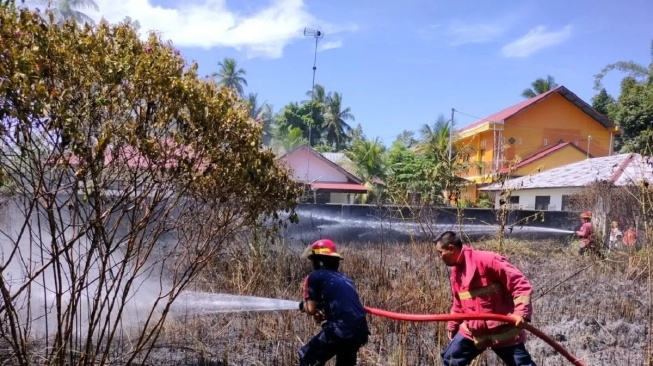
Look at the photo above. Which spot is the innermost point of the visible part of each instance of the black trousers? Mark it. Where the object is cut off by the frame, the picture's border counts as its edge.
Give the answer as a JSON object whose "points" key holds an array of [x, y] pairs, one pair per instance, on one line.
{"points": [[325, 345]]}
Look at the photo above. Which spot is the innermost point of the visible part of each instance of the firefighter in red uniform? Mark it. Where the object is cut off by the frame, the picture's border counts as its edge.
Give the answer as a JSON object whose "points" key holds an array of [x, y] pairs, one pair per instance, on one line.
{"points": [[484, 282], [586, 234]]}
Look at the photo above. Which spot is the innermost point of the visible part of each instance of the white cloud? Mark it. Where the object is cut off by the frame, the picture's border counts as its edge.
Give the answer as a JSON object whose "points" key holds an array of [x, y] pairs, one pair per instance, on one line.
{"points": [[463, 33], [264, 32], [535, 40], [329, 45]]}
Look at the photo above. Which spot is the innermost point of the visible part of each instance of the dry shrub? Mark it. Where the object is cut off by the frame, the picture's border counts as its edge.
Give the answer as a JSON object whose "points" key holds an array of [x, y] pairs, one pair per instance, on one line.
{"points": [[594, 308]]}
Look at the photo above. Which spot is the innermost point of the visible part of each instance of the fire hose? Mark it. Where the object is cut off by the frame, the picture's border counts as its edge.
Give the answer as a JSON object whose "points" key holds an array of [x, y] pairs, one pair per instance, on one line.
{"points": [[475, 316]]}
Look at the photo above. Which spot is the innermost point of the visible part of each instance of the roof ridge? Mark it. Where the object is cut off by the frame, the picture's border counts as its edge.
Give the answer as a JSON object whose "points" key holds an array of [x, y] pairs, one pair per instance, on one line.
{"points": [[622, 167]]}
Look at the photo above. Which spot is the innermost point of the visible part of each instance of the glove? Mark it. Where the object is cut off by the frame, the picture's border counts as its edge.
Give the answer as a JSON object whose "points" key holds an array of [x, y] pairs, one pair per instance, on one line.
{"points": [[301, 306], [319, 317]]}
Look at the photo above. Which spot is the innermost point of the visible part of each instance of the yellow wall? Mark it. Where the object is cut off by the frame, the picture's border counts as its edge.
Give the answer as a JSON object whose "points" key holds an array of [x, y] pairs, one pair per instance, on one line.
{"points": [[564, 156], [553, 118]]}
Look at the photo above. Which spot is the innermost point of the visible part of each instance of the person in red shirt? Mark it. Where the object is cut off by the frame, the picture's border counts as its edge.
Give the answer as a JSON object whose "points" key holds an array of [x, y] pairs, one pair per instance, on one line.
{"points": [[586, 234], [630, 237], [484, 282]]}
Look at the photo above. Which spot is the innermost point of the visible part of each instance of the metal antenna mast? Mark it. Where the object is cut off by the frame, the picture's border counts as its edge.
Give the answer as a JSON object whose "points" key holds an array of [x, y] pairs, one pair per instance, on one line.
{"points": [[317, 34]]}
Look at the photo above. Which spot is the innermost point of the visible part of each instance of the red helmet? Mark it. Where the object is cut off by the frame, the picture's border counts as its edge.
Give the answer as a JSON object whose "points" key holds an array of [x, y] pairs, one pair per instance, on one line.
{"points": [[586, 215], [325, 247]]}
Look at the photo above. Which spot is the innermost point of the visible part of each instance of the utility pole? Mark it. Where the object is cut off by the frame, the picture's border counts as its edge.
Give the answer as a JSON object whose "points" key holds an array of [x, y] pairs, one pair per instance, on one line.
{"points": [[451, 135], [589, 139]]}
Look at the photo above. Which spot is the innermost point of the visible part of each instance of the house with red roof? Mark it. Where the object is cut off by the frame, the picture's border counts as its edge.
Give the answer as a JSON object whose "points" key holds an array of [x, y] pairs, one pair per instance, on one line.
{"points": [[548, 131], [325, 181]]}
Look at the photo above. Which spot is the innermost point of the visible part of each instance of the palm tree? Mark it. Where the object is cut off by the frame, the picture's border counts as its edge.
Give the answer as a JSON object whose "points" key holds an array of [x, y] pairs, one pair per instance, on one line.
{"points": [[68, 10], [368, 156], [335, 121], [435, 139], [230, 76], [262, 113], [320, 94], [539, 86]]}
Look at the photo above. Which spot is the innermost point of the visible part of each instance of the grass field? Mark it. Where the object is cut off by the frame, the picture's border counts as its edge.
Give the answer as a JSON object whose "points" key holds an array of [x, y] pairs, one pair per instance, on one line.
{"points": [[596, 309]]}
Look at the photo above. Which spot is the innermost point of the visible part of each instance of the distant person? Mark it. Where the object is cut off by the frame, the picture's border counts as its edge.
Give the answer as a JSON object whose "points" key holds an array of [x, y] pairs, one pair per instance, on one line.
{"points": [[331, 298], [586, 234], [616, 236], [630, 238], [484, 282]]}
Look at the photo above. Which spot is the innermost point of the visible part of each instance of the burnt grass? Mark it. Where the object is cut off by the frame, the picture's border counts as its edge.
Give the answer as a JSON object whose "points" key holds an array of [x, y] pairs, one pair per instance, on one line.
{"points": [[596, 309]]}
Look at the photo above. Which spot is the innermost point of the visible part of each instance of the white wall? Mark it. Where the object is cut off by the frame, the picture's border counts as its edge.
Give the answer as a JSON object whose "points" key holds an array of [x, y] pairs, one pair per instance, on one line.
{"points": [[527, 197], [318, 170]]}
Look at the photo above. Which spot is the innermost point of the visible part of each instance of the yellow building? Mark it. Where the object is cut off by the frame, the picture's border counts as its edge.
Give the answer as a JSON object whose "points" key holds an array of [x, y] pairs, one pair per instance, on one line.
{"points": [[550, 130]]}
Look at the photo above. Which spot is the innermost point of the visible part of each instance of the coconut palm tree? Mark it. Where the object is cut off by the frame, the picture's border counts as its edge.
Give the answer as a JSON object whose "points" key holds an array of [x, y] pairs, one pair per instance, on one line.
{"points": [[539, 86], [69, 10], [335, 127], [320, 94], [230, 76], [262, 113]]}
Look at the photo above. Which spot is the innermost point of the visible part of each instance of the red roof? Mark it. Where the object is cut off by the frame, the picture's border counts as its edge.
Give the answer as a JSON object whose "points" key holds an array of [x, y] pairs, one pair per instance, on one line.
{"points": [[544, 153], [349, 187], [509, 112]]}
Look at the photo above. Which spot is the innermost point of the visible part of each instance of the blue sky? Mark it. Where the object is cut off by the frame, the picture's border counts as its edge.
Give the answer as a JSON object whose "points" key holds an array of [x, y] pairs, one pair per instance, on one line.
{"points": [[399, 64]]}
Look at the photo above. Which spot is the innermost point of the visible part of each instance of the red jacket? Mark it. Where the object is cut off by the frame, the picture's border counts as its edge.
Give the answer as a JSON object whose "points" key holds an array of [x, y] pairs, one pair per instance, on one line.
{"points": [[586, 234], [485, 282]]}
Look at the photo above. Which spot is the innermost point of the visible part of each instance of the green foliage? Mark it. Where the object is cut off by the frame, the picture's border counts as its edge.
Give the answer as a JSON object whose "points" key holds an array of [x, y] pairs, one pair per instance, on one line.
{"points": [[231, 76], [407, 174], [368, 156], [634, 115], [115, 143], [540, 86], [603, 103], [324, 114], [335, 119], [301, 116], [633, 110]]}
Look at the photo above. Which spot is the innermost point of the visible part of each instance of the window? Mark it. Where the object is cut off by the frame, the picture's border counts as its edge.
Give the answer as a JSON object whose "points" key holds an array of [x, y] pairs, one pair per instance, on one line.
{"points": [[483, 143], [542, 202], [546, 142], [519, 141], [514, 200], [482, 152], [567, 203]]}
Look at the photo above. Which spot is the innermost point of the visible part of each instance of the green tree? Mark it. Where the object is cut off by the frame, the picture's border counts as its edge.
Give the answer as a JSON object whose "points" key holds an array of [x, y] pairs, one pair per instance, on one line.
{"points": [[435, 146], [434, 143], [231, 76], [261, 113], [540, 86], [301, 116], [368, 156], [136, 170], [407, 174], [335, 124], [603, 102], [633, 110], [406, 138], [320, 94]]}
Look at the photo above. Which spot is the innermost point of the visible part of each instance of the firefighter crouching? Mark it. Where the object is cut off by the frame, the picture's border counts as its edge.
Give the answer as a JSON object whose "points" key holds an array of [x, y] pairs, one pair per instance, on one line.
{"points": [[331, 298]]}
